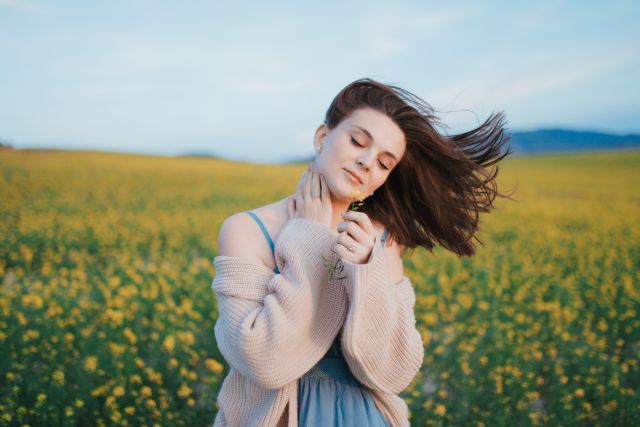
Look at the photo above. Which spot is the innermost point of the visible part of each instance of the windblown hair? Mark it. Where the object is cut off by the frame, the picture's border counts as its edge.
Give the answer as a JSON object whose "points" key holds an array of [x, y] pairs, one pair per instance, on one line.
{"points": [[441, 184]]}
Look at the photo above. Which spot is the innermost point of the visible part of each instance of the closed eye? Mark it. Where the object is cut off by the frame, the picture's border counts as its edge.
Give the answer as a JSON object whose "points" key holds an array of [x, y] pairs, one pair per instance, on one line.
{"points": [[359, 145]]}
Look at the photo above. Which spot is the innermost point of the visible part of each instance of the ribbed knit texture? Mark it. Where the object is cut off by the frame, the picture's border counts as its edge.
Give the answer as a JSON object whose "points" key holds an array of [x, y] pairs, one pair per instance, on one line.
{"points": [[272, 328]]}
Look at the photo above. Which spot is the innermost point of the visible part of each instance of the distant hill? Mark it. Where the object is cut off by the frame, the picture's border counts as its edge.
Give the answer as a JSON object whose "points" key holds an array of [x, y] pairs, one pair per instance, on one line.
{"points": [[556, 141], [559, 140]]}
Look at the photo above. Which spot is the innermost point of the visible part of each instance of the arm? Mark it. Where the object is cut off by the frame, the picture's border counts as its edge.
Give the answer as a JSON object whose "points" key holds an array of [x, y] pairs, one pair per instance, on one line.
{"points": [[380, 341], [274, 327]]}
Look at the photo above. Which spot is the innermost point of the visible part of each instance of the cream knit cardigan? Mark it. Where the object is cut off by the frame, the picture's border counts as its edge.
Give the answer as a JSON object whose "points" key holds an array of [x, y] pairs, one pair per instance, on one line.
{"points": [[272, 328]]}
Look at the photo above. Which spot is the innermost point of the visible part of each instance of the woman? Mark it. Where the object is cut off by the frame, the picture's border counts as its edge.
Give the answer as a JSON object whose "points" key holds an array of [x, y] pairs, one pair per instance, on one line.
{"points": [[318, 328]]}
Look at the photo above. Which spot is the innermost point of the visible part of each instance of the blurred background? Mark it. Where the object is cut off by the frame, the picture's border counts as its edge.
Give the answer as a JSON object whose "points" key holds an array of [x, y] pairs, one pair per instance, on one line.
{"points": [[130, 131], [252, 80]]}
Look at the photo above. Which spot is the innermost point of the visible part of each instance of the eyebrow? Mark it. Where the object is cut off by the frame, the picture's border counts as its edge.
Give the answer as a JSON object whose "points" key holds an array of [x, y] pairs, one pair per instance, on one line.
{"points": [[371, 138]]}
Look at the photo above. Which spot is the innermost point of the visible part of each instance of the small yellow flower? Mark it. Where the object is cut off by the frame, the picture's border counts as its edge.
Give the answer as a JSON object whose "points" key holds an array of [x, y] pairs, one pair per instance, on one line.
{"points": [[356, 195], [214, 365], [129, 410], [130, 336], [146, 391], [580, 392], [184, 390], [169, 343], [118, 391], [357, 200], [42, 397], [186, 338], [90, 363], [58, 376], [440, 410]]}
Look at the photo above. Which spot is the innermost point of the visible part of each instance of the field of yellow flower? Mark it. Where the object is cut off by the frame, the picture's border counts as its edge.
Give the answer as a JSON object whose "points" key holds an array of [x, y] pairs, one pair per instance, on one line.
{"points": [[106, 310]]}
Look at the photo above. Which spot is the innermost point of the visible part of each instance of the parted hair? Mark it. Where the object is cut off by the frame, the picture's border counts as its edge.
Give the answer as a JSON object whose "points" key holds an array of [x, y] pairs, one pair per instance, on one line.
{"points": [[436, 192]]}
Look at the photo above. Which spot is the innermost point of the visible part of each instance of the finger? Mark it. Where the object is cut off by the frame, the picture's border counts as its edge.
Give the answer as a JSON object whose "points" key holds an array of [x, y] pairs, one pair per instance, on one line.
{"points": [[306, 186], [315, 183], [290, 207], [362, 219], [343, 252], [301, 183], [302, 178], [298, 201], [348, 242], [356, 232], [324, 190]]}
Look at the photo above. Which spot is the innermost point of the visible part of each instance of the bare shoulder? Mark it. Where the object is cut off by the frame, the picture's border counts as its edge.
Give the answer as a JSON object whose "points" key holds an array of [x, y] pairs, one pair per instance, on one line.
{"points": [[240, 235], [235, 236]]}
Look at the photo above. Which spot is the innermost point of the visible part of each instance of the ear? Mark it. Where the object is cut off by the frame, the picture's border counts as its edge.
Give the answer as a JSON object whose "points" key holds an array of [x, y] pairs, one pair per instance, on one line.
{"points": [[318, 139]]}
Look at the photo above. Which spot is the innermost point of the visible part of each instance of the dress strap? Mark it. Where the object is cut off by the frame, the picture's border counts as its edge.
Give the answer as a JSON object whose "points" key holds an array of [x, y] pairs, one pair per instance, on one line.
{"points": [[266, 235], [384, 236]]}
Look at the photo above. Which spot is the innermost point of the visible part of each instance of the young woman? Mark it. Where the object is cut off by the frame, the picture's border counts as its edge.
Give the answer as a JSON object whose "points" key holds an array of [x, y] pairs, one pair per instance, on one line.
{"points": [[316, 315]]}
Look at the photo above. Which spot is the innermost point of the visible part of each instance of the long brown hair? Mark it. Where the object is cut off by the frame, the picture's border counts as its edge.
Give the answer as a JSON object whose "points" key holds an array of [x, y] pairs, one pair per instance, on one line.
{"points": [[442, 183]]}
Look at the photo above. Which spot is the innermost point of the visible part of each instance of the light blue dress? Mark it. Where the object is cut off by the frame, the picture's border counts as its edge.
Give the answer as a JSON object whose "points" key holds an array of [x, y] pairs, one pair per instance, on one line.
{"points": [[328, 394]]}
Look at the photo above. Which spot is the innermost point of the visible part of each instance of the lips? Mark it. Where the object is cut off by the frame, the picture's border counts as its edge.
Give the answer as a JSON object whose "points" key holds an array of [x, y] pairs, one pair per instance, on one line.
{"points": [[356, 176]]}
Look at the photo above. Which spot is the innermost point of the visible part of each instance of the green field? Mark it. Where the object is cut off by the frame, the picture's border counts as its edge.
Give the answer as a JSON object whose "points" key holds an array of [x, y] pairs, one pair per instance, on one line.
{"points": [[106, 310]]}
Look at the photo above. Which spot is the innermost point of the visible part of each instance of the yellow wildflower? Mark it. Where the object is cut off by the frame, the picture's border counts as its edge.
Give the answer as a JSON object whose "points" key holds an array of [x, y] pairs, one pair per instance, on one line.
{"points": [[130, 335], [214, 365], [146, 391], [118, 391], [184, 390], [90, 363], [58, 376], [169, 343]]}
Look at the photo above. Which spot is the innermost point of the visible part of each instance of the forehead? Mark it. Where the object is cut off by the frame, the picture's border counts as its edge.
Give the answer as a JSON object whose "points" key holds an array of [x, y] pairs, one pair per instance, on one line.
{"points": [[385, 132]]}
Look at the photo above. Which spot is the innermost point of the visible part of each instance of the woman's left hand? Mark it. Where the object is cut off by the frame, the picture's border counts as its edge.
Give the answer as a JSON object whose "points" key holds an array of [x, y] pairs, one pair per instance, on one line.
{"points": [[356, 237]]}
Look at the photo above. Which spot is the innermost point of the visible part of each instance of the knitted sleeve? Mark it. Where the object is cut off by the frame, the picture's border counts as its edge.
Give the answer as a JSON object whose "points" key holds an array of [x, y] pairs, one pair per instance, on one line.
{"points": [[380, 341], [274, 327]]}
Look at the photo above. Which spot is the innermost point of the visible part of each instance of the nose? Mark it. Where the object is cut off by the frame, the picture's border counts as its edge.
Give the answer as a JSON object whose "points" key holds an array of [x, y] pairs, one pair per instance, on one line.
{"points": [[365, 161]]}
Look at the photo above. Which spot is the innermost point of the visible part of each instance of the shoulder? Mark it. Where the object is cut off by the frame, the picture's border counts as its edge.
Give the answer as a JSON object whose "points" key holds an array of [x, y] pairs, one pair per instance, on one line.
{"points": [[235, 234], [240, 235]]}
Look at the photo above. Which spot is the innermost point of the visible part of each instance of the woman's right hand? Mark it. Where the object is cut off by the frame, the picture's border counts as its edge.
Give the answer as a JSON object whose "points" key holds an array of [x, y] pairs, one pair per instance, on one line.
{"points": [[312, 199]]}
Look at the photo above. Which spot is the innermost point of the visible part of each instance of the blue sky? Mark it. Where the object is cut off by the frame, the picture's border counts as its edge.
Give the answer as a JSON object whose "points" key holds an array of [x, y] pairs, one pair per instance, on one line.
{"points": [[252, 80]]}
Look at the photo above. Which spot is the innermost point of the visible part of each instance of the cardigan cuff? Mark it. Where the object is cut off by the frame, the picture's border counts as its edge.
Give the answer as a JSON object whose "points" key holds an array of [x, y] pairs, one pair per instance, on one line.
{"points": [[373, 272]]}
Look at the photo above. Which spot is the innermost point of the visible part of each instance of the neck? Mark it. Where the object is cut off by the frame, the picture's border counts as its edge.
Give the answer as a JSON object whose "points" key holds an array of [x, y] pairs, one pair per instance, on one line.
{"points": [[337, 208]]}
